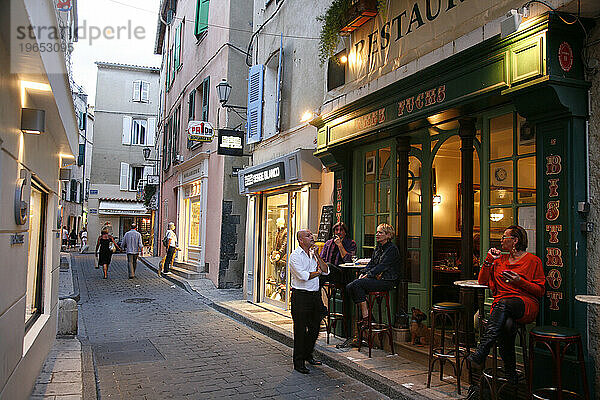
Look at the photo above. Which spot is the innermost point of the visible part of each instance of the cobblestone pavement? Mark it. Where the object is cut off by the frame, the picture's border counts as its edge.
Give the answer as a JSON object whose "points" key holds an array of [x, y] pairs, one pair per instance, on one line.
{"points": [[152, 340]]}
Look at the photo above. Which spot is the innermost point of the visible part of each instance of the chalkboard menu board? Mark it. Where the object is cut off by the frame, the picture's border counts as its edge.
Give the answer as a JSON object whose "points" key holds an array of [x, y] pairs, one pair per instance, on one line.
{"points": [[325, 224]]}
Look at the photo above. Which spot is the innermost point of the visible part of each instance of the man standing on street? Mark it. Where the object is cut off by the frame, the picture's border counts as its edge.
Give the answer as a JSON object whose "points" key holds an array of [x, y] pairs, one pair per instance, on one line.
{"points": [[171, 238], [305, 267], [132, 241]]}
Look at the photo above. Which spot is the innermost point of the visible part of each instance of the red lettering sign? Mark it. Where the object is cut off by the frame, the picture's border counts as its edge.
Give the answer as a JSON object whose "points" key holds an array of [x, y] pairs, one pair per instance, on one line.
{"points": [[554, 257], [554, 279], [553, 229], [553, 187], [553, 165], [554, 297], [423, 99], [552, 211]]}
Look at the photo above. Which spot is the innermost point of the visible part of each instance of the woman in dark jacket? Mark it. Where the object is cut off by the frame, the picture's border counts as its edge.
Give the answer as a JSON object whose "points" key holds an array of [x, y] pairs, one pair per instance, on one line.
{"points": [[380, 274]]}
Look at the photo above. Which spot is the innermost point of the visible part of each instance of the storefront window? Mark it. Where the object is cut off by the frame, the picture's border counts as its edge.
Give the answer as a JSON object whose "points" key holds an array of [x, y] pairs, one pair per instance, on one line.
{"points": [[377, 190], [501, 136], [35, 259], [195, 223], [517, 197], [276, 248]]}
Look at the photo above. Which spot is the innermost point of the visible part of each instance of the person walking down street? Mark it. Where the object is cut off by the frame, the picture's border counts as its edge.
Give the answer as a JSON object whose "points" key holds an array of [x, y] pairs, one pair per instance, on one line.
{"points": [[516, 281], [108, 226], [73, 238], [105, 254], [337, 250], [305, 268], [132, 242], [171, 239], [380, 274], [83, 235], [65, 237]]}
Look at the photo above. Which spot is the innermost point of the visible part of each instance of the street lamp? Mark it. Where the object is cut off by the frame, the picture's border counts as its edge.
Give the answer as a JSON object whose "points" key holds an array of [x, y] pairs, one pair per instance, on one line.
{"points": [[147, 151], [224, 90]]}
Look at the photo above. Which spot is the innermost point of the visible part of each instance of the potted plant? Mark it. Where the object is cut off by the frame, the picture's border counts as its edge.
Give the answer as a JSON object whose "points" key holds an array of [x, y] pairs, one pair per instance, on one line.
{"points": [[343, 17]]}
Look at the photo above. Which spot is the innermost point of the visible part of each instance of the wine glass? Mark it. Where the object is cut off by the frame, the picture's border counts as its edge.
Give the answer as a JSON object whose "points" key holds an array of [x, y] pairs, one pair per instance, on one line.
{"points": [[354, 259]]}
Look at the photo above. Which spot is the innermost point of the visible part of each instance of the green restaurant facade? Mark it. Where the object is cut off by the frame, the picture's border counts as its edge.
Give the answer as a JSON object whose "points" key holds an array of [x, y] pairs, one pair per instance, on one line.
{"points": [[492, 136]]}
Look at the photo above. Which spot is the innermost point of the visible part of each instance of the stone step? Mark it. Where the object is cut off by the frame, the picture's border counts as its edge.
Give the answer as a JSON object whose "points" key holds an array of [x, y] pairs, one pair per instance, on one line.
{"points": [[186, 273]]}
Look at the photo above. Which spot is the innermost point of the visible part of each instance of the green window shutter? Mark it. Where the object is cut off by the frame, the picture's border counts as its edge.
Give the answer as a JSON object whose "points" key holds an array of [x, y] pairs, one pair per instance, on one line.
{"points": [[205, 98], [177, 47], [201, 17]]}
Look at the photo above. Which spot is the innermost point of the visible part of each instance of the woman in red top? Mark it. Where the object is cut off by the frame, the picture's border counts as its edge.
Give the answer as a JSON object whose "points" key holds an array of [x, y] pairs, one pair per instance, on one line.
{"points": [[517, 282]]}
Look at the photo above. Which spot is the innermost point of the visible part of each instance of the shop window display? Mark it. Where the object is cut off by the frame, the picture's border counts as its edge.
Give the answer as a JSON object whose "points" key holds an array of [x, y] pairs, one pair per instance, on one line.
{"points": [[277, 240]]}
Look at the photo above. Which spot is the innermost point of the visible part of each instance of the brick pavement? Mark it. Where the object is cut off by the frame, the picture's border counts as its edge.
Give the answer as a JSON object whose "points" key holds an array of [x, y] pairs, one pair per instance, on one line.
{"points": [[175, 346]]}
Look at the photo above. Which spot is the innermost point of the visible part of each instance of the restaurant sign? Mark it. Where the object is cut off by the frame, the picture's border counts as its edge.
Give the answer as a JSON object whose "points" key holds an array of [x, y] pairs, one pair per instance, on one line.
{"points": [[411, 28], [554, 229], [274, 172], [200, 131]]}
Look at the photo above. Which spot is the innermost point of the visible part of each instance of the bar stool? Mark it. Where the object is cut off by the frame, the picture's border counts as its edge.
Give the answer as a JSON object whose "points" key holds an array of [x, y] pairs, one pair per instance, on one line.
{"points": [[552, 337], [451, 312], [490, 376], [376, 327], [333, 316]]}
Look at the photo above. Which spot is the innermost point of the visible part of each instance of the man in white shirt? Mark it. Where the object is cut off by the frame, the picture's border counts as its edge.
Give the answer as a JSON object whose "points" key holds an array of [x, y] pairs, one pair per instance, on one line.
{"points": [[132, 242], [305, 268], [171, 248]]}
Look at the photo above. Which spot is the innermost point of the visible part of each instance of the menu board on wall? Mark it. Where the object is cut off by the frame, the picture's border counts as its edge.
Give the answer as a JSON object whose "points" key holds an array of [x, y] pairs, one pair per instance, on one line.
{"points": [[325, 224]]}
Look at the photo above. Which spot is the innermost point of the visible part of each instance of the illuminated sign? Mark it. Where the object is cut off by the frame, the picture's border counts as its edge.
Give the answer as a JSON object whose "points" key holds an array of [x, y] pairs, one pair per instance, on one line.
{"points": [[200, 131], [268, 174], [231, 142]]}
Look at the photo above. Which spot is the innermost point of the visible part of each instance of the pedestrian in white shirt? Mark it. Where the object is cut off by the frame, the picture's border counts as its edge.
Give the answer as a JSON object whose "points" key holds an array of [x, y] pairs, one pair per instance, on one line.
{"points": [[305, 268], [132, 242], [171, 238]]}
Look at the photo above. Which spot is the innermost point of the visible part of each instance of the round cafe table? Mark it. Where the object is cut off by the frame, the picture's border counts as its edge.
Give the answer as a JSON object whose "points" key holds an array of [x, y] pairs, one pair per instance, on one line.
{"points": [[349, 273], [589, 299], [472, 286]]}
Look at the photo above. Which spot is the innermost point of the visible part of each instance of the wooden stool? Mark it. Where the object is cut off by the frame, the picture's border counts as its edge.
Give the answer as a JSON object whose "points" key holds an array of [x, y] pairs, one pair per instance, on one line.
{"points": [[333, 316], [377, 327], [552, 337], [452, 312], [490, 376]]}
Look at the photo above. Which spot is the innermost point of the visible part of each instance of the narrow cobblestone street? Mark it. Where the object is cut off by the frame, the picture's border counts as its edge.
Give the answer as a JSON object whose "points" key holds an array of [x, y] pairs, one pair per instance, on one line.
{"points": [[151, 340]]}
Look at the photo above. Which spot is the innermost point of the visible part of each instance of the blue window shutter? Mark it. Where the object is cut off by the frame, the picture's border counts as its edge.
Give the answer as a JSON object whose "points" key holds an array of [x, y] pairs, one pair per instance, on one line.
{"points": [[279, 85], [255, 103]]}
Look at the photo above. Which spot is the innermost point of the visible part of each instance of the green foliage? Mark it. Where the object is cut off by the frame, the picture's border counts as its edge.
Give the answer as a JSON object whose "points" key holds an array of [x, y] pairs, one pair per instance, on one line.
{"points": [[333, 21], [149, 191]]}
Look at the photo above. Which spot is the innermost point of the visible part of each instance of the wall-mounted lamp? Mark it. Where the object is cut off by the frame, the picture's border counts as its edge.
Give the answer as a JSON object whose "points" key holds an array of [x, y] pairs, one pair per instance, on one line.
{"points": [[511, 23], [146, 151], [307, 116], [343, 59], [224, 90], [436, 200], [33, 121], [495, 217]]}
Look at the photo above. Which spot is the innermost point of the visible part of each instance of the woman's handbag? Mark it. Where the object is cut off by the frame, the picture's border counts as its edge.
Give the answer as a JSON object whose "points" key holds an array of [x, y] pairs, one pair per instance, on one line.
{"points": [[112, 247]]}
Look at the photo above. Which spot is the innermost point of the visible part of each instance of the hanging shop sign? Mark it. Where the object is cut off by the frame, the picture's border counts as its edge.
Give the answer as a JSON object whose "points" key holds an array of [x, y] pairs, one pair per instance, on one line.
{"points": [[299, 166], [555, 233], [231, 142], [272, 173], [200, 131], [153, 179]]}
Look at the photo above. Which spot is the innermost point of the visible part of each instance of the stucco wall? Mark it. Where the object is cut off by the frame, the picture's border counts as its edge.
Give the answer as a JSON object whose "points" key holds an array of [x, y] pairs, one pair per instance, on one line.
{"points": [[210, 57], [22, 351], [593, 245]]}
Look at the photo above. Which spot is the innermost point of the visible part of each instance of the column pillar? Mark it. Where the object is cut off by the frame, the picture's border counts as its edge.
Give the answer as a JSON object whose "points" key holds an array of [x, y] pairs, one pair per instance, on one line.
{"points": [[402, 150]]}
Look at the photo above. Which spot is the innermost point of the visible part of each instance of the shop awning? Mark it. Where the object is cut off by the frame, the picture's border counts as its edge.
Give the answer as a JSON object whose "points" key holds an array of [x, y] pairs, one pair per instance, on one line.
{"points": [[122, 208]]}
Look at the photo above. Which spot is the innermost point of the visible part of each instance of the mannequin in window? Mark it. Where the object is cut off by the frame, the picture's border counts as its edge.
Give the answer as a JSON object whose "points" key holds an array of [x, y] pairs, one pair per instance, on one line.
{"points": [[278, 254]]}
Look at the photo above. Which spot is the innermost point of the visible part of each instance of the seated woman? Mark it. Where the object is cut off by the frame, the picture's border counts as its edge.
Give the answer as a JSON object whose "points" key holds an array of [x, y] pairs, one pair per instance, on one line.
{"points": [[517, 282], [336, 251], [380, 274]]}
